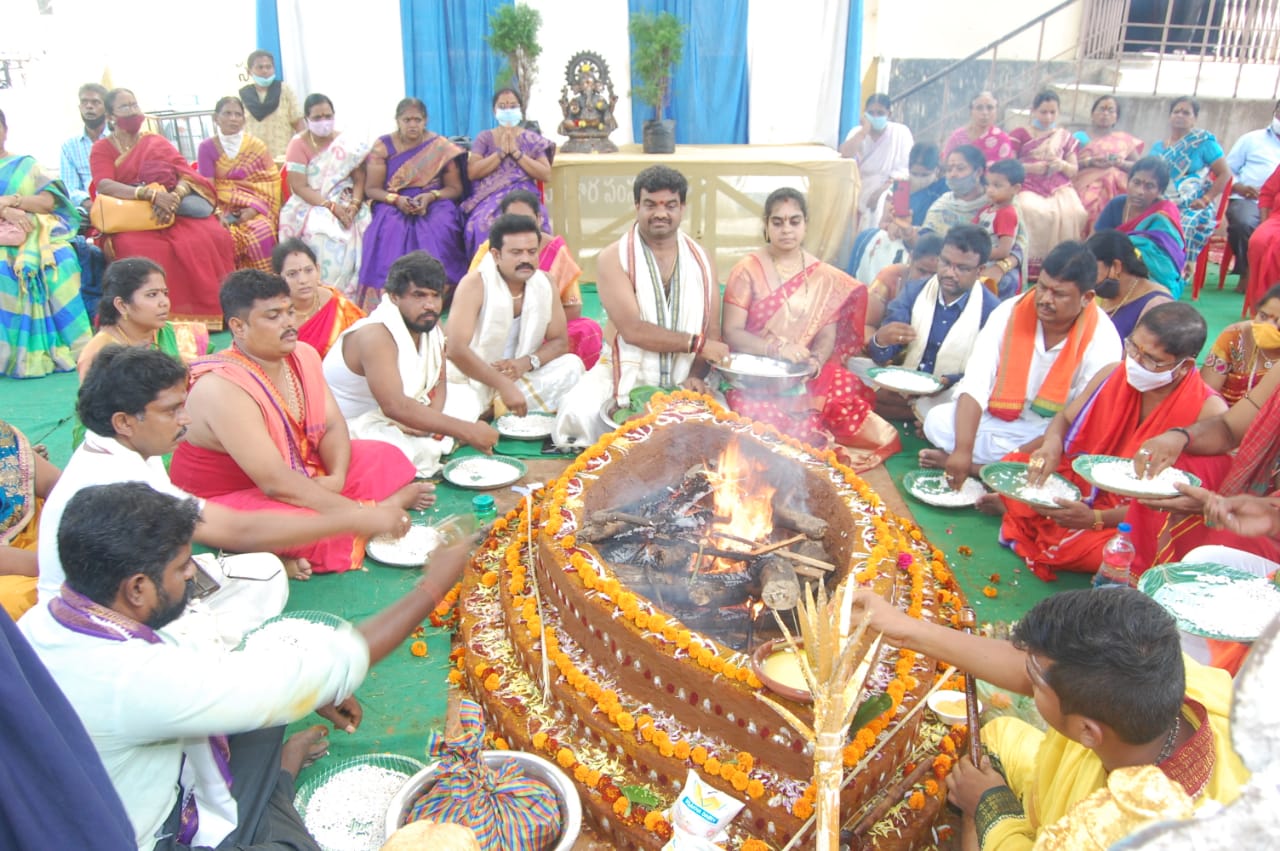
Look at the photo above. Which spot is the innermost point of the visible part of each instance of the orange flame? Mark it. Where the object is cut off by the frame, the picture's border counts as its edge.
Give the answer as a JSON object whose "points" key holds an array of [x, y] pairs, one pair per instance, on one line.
{"points": [[743, 496]]}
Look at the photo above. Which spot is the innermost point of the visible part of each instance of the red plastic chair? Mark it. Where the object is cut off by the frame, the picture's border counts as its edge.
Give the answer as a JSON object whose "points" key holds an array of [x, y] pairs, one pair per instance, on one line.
{"points": [[284, 184], [1217, 245]]}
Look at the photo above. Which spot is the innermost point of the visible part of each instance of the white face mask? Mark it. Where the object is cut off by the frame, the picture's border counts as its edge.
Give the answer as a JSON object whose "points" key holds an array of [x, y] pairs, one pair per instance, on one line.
{"points": [[1275, 126], [231, 144], [1142, 379]]}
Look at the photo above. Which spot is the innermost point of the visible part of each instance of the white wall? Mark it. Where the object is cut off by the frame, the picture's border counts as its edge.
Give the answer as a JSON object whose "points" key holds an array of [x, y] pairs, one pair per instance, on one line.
{"points": [[945, 29]]}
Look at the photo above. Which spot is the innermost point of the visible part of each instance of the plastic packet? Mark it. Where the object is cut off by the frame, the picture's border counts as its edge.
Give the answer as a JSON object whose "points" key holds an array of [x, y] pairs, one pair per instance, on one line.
{"points": [[700, 815]]}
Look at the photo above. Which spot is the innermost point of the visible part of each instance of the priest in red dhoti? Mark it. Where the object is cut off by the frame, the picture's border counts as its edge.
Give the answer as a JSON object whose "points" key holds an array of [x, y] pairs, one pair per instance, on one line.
{"points": [[266, 434], [1156, 389]]}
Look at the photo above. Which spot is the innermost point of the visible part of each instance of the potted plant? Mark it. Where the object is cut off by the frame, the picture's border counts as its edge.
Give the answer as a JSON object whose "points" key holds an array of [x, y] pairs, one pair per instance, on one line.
{"points": [[657, 45], [513, 34]]}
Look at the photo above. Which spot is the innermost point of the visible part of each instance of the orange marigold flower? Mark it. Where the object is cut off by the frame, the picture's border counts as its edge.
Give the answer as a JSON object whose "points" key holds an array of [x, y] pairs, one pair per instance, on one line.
{"points": [[568, 542], [418, 648], [941, 765], [501, 744], [661, 737], [651, 820], [492, 682], [489, 578], [964, 550], [682, 749], [755, 788], [625, 722], [455, 678], [916, 801], [727, 770], [539, 740], [621, 807], [739, 779], [580, 773], [666, 749], [745, 761], [754, 845], [947, 745], [989, 591], [866, 738], [712, 766], [802, 809], [698, 755], [609, 792], [931, 788], [646, 733], [754, 681], [641, 620], [565, 757], [716, 664], [644, 720], [593, 778]]}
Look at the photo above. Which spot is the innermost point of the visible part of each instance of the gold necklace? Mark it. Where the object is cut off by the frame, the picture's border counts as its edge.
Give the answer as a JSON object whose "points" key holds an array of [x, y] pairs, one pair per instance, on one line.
{"points": [[1132, 287], [123, 336], [782, 282], [315, 306]]}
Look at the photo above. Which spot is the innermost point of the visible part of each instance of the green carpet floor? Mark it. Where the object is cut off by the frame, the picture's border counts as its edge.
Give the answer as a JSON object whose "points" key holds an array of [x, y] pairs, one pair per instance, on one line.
{"points": [[404, 698]]}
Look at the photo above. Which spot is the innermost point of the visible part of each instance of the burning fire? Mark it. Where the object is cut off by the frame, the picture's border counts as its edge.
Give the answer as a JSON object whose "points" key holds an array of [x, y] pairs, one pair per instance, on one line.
{"points": [[743, 496]]}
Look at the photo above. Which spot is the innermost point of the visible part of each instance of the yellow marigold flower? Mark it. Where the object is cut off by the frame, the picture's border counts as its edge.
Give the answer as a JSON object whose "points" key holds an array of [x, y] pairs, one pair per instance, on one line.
{"points": [[580, 773], [644, 720], [418, 648], [712, 766], [666, 750], [625, 722], [565, 757], [651, 820], [739, 780], [641, 620], [682, 749], [540, 740], [716, 664], [593, 778], [621, 806], [802, 809], [755, 788], [727, 770], [746, 761], [492, 682], [501, 744], [660, 738], [698, 755], [455, 678], [753, 680], [866, 738], [646, 733]]}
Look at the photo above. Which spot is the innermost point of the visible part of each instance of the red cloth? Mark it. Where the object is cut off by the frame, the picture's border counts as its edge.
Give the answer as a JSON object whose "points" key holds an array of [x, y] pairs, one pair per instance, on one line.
{"points": [[376, 471], [196, 254], [1110, 424], [1264, 245], [322, 330]]}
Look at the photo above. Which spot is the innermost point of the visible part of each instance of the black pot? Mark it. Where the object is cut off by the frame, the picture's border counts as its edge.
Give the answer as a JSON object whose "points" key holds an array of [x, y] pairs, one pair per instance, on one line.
{"points": [[660, 136]]}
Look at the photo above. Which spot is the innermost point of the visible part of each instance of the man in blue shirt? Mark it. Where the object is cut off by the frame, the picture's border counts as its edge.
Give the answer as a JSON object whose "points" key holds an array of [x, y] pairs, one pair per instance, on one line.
{"points": [[1253, 158], [74, 169], [936, 321]]}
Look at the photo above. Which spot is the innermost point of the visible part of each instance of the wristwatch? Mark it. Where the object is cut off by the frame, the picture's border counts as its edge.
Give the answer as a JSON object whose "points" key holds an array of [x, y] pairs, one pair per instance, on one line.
{"points": [[535, 362]]}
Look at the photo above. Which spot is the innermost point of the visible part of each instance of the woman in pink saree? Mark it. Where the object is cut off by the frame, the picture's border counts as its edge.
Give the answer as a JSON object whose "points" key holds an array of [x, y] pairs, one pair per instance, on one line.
{"points": [[1105, 157], [982, 132], [1051, 209], [784, 303]]}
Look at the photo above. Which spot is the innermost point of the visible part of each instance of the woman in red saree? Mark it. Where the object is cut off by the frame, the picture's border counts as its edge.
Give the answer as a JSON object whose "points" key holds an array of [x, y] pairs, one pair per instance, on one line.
{"points": [[194, 249], [784, 303], [321, 311], [247, 181]]}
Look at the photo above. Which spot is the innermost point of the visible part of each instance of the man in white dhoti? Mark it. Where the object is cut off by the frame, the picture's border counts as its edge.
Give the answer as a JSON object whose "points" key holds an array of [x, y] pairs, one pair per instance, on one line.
{"points": [[507, 335], [658, 288], [1036, 353], [386, 371], [132, 403]]}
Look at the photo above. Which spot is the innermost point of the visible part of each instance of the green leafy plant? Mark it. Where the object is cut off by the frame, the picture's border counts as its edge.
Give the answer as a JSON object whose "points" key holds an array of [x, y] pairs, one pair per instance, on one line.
{"points": [[513, 34], [658, 45]]}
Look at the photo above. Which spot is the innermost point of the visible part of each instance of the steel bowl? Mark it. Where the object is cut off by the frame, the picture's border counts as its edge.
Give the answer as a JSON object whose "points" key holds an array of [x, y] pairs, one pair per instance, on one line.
{"points": [[607, 410], [753, 372], [533, 766]]}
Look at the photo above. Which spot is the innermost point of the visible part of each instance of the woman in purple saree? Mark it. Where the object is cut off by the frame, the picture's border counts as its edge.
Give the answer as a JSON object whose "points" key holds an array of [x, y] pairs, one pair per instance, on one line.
{"points": [[503, 159], [414, 182]]}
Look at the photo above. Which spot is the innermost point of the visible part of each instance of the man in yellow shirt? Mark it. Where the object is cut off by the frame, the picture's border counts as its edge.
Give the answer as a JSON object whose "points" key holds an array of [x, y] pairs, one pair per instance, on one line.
{"points": [[1107, 673]]}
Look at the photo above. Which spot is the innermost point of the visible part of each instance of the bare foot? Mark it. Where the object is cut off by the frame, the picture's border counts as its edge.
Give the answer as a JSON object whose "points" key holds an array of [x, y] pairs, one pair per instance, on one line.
{"points": [[415, 495], [297, 568], [932, 459], [304, 748], [990, 503]]}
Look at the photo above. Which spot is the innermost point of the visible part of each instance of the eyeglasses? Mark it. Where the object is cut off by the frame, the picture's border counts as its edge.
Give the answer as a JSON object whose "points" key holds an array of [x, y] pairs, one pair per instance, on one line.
{"points": [[1145, 360], [962, 268]]}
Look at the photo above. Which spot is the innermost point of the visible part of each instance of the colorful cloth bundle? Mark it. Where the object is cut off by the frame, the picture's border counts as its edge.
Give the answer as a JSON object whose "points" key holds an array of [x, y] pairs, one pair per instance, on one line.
{"points": [[502, 807]]}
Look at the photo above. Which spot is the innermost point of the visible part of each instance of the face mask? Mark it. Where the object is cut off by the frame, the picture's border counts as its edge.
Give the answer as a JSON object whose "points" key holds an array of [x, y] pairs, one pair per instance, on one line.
{"points": [[878, 122], [1040, 125], [321, 127], [918, 183], [95, 123], [1275, 126], [507, 117], [1265, 335], [131, 123], [963, 185], [1142, 379], [231, 144], [1108, 288], [263, 81]]}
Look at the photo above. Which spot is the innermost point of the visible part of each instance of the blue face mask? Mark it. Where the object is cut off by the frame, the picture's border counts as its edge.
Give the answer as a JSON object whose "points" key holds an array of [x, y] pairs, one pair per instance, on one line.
{"points": [[1040, 125], [507, 117], [878, 122], [263, 81]]}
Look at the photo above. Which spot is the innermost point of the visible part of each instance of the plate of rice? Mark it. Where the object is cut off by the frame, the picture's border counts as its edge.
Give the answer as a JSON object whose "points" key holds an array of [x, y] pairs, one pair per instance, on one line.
{"points": [[1009, 478], [932, 488], [754, 372], [908, 382], [528, 427], [408, 551], [1116, 475], [344, 806], [483, 472], [1213, 600]]}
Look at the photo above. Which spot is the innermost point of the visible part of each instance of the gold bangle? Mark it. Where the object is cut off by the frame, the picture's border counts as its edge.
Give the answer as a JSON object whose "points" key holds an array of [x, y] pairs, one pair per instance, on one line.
{"points": [[1098, 523], [392, 197]]}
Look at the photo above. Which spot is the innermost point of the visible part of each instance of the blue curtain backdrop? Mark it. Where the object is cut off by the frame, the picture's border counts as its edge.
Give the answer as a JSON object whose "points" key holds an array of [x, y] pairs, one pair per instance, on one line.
{"points": [[268, 21], [448, 64], [851, 99], [709, 90]]}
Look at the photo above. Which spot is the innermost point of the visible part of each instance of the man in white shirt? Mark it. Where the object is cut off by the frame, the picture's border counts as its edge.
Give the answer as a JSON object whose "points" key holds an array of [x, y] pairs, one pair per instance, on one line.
{"points": [[175, 722], [386, 372], [132, 403], [508, 336], [1035, 354], [1252, 159]]}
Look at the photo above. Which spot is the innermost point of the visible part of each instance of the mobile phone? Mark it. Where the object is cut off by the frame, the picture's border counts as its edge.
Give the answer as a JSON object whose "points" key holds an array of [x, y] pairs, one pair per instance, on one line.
{"points": [[902, 199]]}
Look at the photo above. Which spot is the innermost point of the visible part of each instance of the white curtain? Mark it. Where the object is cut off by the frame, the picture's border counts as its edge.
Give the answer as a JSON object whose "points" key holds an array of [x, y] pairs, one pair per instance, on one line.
{"points": [[795, 58]]}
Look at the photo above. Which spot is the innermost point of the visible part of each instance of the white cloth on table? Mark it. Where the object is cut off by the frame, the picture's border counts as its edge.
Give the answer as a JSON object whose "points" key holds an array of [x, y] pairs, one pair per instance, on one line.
{"points": [[997, 437], [545, 387], [622, 366], [421, 369], [145, 705], [242, 603]]}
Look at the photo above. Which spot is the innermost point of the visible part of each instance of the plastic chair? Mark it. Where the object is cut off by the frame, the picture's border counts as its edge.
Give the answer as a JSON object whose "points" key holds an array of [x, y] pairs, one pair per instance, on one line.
{"points": [[1217, 244], [284, 184]]}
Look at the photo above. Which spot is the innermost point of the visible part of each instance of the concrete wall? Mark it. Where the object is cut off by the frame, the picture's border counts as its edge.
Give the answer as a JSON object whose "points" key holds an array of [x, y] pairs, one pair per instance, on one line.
{"points": [[946, 29]]}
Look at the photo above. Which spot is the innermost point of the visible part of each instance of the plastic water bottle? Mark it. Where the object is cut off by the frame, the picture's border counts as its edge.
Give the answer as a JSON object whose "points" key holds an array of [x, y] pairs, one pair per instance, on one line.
{"points": [[1117, 557], [484, 510]]}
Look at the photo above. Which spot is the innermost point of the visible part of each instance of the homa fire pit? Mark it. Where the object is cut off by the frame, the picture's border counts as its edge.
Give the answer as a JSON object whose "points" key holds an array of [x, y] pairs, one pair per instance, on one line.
{"points": [[614, 638]]}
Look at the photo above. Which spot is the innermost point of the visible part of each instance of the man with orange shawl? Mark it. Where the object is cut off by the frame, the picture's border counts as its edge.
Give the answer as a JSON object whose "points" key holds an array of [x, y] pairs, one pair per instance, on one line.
{"points": [[266, 433], [1157, 388], [782, 302], [1034, 356]]}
